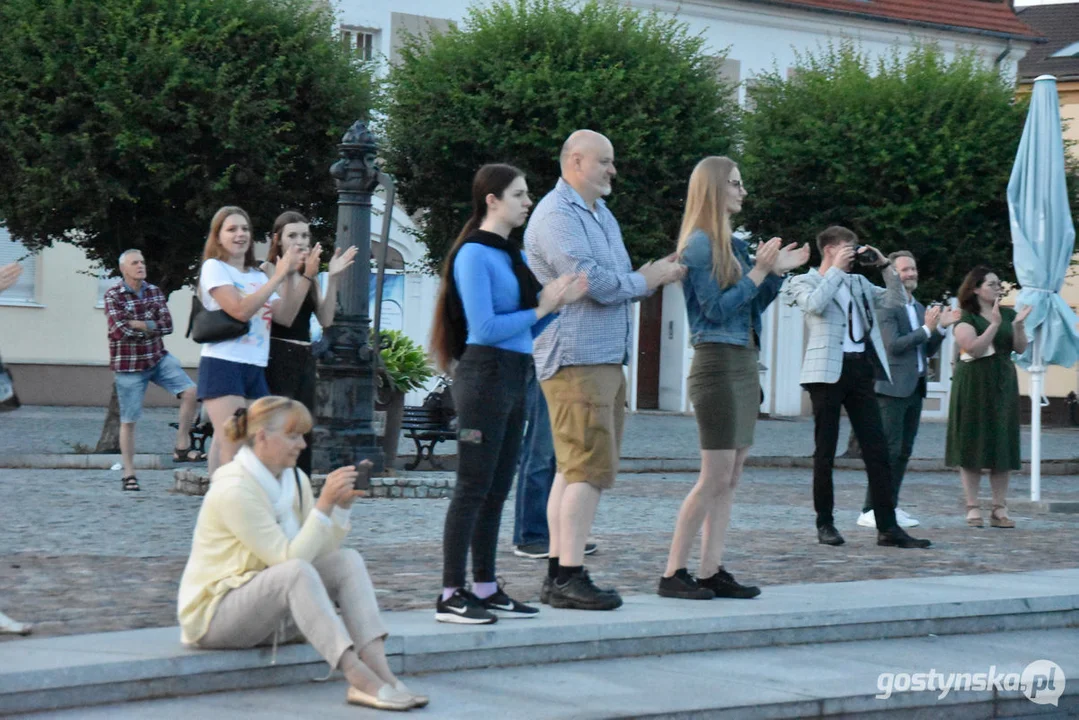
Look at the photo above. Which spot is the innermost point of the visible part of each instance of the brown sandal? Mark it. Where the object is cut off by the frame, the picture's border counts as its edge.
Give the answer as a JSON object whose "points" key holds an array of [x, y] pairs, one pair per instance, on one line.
{"points": [[1000, 520], [975, 520]]}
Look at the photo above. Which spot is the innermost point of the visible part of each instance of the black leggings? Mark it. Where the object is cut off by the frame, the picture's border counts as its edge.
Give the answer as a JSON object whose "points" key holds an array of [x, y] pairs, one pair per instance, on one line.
{"points": [[291, 373], [489, 388]]}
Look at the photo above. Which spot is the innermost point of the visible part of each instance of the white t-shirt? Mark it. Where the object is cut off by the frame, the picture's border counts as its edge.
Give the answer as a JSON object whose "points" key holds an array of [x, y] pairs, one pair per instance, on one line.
{"points": [[254, 347]]}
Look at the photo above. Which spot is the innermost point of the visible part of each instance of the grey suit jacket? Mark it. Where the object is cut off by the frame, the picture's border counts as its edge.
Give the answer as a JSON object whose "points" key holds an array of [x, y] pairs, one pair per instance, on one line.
{"points": [[902, 341], [826, 319]]}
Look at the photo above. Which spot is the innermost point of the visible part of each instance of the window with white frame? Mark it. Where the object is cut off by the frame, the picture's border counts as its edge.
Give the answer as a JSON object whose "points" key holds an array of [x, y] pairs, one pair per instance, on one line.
{"points": [[104, 282], [23, 291], [362, 41]]}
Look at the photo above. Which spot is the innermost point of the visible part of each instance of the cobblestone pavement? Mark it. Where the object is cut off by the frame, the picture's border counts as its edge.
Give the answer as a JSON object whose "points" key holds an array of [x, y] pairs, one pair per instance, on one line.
{"points": [[78, 555], [648, 434]]}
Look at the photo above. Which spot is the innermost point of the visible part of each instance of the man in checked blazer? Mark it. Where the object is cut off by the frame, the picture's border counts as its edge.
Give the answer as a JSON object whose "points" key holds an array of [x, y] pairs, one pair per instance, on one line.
{"points": [[911, 336], [844, 356]]}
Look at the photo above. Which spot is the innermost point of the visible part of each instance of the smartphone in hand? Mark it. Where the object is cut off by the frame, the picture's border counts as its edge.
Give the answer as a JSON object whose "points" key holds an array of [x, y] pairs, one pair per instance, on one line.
{"points": [[363, 476]]}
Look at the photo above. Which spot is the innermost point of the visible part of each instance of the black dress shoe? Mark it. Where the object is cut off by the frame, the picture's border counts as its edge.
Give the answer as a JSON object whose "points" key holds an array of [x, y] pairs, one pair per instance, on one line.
{"points": [[898, 537], [828, 535]]}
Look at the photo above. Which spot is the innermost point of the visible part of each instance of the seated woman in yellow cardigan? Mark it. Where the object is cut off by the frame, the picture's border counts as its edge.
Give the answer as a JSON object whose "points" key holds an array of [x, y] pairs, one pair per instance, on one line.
{"points": [[266, 561]]}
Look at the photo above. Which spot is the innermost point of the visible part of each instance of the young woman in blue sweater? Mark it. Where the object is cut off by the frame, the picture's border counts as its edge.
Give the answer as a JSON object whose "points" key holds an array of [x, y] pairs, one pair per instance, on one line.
{"points": [[489, 309]]}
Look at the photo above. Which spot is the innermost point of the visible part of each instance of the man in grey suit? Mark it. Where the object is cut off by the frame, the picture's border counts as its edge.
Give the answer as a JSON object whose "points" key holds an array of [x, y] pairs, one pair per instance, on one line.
{"points": [[843, 357], [911, 336]]}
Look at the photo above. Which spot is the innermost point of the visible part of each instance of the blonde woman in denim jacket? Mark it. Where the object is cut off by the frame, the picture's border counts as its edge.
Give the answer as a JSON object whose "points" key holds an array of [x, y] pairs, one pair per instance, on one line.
{"points": [[725, 292]]}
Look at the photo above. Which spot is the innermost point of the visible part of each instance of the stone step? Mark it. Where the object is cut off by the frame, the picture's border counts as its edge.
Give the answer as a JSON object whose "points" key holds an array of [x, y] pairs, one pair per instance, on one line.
{"points": [[868, 678], [74, 671]]}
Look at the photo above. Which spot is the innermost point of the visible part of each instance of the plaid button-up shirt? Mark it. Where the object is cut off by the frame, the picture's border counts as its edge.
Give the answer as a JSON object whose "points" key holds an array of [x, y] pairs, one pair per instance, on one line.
{"points": [[564, 236], [132, 350]]}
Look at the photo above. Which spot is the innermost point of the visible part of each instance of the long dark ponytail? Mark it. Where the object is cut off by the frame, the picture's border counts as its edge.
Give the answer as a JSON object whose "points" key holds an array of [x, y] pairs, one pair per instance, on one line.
{"points": [[447, 336]]}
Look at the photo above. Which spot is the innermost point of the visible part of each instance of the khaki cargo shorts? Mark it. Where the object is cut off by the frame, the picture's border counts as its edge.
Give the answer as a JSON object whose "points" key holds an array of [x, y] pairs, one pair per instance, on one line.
{"points": [[587, 404]]}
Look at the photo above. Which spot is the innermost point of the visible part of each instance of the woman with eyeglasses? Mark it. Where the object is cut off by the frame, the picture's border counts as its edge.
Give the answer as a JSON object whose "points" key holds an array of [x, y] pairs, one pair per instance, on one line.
{"points": [[983, 418], [726, 291]]}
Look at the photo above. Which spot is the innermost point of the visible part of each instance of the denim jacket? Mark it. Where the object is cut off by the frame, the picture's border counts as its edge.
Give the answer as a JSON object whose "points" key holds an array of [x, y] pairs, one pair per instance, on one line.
{"points": [[723, 315]]}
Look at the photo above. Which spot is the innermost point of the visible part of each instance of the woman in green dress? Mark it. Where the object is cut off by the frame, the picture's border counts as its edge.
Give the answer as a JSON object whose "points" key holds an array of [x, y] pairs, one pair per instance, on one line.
{"points": [[983, 420]]}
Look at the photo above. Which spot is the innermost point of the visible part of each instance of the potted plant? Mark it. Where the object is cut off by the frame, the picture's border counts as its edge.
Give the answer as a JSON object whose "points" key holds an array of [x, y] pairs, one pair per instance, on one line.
{"points": [[403, 367]]}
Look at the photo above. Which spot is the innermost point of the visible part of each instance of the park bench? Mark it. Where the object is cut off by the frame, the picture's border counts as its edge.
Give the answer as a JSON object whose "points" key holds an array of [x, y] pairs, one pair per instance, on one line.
{"points": [[430, 423], [201, 431], [427, 427]]}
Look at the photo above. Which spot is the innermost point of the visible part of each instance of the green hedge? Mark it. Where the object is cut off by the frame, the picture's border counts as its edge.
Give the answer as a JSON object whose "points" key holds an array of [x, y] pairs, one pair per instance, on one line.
{"points": [[516, 78]]}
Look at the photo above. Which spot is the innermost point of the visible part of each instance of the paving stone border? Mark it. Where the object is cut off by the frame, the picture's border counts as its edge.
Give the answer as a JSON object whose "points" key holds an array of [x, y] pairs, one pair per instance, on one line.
{"points": [[434, 485]]}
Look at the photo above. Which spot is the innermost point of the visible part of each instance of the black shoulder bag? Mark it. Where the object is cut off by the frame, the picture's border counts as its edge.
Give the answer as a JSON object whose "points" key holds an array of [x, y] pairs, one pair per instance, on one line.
{"points": [[210, 326]]}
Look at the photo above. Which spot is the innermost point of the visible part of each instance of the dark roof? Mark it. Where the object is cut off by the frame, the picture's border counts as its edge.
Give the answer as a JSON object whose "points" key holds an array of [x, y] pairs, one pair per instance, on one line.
{"points": [[1060, 25], [985, 17]]}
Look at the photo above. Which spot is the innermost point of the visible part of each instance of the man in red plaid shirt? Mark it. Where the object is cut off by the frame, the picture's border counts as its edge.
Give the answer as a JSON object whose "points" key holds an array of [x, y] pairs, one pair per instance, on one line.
{"points": [[138, 318]]}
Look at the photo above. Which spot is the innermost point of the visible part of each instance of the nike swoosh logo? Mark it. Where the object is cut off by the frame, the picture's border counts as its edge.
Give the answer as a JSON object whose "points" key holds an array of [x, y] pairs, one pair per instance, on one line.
{"points": [[500, 607], [458, 610]]}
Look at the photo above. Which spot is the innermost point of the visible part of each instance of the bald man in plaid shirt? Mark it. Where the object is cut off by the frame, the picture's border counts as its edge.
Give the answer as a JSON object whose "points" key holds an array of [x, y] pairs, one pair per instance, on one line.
{"points": [[579, 357], [138, 319]]}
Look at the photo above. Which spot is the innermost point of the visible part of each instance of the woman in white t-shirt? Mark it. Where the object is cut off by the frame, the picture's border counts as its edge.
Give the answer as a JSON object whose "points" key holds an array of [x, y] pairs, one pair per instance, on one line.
{"points": [[232, 372]]}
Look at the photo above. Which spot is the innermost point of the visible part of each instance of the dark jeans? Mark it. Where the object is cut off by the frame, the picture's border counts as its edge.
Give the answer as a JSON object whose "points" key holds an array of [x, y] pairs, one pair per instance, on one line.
{"points": [[901, 417], [489, 392], [292, 374], [536, 470], [853, 391]]}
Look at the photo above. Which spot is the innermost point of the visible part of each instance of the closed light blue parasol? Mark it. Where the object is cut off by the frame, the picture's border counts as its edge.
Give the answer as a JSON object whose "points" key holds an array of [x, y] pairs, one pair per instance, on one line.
{"points": [[1043, 242]]}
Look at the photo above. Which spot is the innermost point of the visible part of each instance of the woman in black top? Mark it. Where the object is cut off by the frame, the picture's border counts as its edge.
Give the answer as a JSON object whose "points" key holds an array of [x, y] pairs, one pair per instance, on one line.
{"points": [[291, 371]]}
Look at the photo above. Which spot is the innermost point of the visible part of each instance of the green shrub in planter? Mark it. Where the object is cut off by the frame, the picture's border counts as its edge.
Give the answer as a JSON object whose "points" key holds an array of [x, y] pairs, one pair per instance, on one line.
{"points": [[404, 360]]}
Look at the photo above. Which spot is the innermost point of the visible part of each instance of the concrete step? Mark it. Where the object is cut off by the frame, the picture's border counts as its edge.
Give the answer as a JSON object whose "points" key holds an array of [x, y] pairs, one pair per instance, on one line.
{"points": [[73, 671], [833, 680]]}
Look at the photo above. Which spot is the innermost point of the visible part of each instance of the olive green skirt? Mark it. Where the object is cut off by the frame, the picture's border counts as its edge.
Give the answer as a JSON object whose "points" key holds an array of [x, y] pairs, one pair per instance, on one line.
{"points": [[724, 387]]}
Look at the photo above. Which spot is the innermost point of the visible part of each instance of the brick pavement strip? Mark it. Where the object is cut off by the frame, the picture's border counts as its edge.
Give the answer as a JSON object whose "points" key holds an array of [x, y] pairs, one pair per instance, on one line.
{"points": [[81, 556]]}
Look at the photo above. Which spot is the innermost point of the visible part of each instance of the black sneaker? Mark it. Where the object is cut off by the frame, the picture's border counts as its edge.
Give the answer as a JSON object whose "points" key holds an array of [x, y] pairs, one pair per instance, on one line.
{"points": [[538, 551], [463, 608], [580, 593], [724, 585], [545, 591], [684, 586], [535, 551], [828, 535], [504, 606]]}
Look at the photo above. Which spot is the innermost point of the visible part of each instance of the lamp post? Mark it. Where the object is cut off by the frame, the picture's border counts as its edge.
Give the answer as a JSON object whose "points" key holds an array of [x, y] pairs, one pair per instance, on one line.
{"points": [[345, 394]]}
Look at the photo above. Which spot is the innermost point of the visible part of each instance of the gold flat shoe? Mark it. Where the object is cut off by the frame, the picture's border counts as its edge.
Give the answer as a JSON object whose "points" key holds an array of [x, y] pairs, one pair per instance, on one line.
{"points": [[1002, 520], [418, 700], [388, 698]]}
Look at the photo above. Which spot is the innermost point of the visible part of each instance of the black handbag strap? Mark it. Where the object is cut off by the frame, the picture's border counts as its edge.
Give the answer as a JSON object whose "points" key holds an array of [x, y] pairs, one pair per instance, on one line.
{"points": [[299, 489]]}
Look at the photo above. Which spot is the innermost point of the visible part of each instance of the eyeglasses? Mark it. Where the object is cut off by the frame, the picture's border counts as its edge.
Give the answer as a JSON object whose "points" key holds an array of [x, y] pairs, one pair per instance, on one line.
{"points": [[737, 184]]}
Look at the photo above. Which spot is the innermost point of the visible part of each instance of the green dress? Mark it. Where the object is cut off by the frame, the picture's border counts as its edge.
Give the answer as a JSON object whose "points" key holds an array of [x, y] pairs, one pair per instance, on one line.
{"points": [[983, 418]]}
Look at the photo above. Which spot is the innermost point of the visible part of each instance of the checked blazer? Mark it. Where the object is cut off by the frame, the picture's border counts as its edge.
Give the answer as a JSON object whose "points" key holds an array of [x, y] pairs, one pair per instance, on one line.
{"points": [[826, 319]]}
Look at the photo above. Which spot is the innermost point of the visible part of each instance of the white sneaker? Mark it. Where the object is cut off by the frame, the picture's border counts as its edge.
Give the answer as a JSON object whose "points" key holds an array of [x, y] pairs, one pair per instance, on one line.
{"points": [[904, 520], [867, 519]]}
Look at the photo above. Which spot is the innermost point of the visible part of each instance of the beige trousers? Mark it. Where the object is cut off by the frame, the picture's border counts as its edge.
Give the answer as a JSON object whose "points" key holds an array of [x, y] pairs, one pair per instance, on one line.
{"points": [[304, 593]]}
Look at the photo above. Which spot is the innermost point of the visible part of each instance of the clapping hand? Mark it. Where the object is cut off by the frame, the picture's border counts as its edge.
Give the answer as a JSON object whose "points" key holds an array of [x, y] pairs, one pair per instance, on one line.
{"points": [[767, 255], [1022, 315], [288, 262], [342, 261], [994, 314], [790, 257], [9, 274], [950, 316], [312, 261], [932, 317]]}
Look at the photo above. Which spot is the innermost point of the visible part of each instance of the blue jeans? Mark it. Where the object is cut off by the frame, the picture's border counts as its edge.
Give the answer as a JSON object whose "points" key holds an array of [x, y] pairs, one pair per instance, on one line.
{"points": [[536, 469]]}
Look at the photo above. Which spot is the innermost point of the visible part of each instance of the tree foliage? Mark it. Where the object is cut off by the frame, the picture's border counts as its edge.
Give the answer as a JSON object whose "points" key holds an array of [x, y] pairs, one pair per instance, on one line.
{"points": [[127, 123], [911, 152], [517, 77]]}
